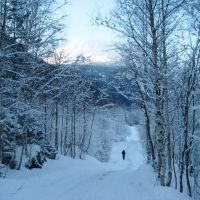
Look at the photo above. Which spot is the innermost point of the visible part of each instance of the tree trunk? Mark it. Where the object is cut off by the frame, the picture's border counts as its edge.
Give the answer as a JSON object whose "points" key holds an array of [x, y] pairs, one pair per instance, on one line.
{"points": [[168, 134], [74, 128], [3, 26], [158, 97], [21, 157], [91, 132], [65, 136], [82, 144], [1, 142], [56, 126], [45, 119], [71, 138], [174, 169], [150, 146], [185, 151], [61, 136], [164, 10]]}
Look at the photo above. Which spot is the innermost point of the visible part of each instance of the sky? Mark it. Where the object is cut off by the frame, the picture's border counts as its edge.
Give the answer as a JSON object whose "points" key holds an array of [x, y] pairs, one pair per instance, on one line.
{"points": [[83, 36]]}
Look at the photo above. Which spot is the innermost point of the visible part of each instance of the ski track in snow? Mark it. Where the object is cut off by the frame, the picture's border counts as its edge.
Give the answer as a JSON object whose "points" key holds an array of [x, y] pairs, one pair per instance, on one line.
{"points": [[67, 179]]}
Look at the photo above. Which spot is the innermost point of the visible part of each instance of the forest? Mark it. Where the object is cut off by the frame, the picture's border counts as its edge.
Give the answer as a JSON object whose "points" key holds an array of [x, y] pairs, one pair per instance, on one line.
{"points": [[51, 104]]}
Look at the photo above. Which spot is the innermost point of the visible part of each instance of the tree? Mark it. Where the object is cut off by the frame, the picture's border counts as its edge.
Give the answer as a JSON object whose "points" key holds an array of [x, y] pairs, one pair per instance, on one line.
{"points": [[146, 27], [27, 32], [190, 80]]}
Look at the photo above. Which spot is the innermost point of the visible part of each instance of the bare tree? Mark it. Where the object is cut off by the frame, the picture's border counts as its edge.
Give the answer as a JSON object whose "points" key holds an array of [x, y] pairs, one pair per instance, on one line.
{"points": [[146, 28]]}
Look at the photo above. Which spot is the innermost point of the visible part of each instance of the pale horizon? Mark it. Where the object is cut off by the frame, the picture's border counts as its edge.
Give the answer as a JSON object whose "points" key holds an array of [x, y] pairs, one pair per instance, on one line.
{"points": [[84, 38]]}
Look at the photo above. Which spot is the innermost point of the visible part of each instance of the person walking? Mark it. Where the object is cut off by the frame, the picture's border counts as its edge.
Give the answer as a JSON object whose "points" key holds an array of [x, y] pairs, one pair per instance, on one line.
{"points": [[123, 154]]}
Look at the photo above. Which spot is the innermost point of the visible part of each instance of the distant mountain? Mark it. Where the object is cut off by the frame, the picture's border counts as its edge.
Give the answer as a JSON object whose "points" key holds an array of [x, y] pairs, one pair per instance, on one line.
{"points": [[113, 81]]}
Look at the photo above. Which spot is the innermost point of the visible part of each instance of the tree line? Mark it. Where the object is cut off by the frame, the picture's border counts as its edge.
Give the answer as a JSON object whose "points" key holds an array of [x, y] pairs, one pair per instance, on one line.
{"points": [[42, 106], [47, 104]]}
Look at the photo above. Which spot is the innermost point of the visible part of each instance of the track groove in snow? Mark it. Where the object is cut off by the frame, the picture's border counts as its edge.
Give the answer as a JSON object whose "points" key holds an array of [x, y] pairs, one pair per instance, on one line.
{"points": [[67, 179]]}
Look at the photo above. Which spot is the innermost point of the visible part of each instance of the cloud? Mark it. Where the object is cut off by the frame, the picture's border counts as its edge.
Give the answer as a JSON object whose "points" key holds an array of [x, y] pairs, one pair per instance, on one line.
{"points": [[97, 51]]}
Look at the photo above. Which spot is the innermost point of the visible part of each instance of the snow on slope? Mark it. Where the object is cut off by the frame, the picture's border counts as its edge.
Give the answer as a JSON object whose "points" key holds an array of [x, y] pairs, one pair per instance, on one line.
{"points": [[67, 179]]}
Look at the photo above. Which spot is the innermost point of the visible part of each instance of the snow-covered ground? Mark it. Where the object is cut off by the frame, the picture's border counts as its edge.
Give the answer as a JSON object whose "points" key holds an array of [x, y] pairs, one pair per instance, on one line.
{"points": [[89, 179]]}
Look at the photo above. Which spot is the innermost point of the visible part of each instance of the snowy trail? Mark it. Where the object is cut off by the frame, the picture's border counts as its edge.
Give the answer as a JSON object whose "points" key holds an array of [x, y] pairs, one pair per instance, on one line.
{"points": [[68, 179]]}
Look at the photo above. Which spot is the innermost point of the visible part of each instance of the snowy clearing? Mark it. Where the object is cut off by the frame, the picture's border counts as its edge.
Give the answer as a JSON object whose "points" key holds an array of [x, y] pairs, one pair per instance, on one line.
{"points": [[89, 179]]}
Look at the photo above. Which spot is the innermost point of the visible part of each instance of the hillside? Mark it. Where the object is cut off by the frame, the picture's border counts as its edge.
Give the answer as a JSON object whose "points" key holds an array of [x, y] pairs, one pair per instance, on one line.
{"points": [[114, 81]]}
